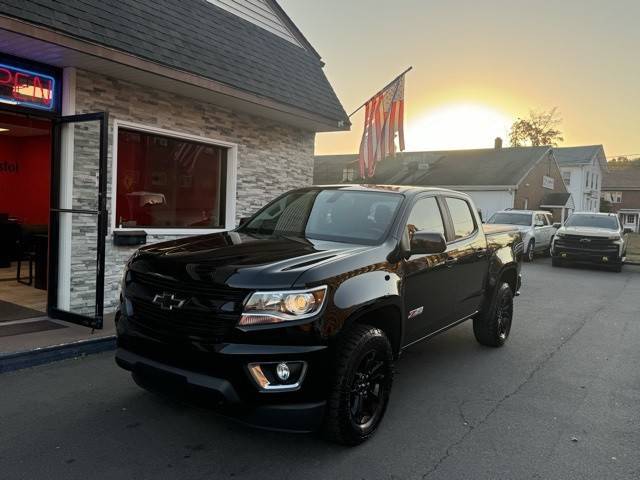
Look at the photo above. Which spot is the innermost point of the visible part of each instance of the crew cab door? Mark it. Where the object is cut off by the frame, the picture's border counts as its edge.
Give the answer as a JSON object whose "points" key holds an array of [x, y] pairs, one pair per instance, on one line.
{"points": [[468, 257], [542, 230], [429, 293]]}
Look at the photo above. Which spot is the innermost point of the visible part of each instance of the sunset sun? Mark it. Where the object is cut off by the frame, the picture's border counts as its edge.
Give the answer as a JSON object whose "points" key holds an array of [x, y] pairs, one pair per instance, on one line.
{"points": [[457, 126]]}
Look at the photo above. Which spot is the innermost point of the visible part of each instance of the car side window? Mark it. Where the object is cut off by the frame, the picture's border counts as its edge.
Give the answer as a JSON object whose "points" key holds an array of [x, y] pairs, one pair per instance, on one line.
{"points": [[547, 218], [425, 216], [540, 219], [463, 222]]}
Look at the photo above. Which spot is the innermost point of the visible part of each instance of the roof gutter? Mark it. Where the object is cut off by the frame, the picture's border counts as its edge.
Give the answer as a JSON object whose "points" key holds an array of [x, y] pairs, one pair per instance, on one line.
{"points": [[47, 35]]}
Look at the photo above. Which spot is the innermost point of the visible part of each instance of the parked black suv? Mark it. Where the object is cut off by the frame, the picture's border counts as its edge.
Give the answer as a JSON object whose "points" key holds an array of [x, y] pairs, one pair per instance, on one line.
{"points": [[293, 320]]}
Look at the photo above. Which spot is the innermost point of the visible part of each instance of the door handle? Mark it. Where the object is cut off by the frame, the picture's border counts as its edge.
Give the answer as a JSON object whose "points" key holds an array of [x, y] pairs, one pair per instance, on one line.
{"points": [[450, 261], [481, 252]]}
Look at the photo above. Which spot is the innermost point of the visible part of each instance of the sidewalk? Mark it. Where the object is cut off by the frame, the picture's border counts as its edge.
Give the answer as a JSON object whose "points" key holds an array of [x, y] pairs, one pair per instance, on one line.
{"points": [[25, 343]]}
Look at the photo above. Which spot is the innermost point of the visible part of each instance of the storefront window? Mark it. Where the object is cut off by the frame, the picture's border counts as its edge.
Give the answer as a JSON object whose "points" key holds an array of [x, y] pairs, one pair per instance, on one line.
{"points": [[167, 182]]}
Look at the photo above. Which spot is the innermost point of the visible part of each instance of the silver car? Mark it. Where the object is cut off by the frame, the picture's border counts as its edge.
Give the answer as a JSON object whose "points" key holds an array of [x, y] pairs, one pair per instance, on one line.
{"points": [[536, 226]]}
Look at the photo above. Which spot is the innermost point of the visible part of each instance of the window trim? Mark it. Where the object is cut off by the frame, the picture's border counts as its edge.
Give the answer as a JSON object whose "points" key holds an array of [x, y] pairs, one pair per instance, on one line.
{"points": [[443, 213], [451, 226], [230, 190]]}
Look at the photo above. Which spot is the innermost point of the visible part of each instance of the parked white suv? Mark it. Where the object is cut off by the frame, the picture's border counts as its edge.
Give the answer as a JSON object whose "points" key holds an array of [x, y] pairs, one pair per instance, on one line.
{"points": [[536, 227], [587, 237]]}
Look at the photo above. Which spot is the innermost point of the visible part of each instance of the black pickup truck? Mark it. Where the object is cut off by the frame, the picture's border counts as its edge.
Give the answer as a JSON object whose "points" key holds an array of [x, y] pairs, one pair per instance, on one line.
{"points": [[293, 320]]}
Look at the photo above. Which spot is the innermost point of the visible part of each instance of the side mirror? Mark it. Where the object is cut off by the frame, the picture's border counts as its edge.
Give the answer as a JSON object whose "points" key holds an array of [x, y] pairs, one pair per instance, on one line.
{"points": [[427, 243], [627, 230], [539, 224], [243, 220], [557, 225]]}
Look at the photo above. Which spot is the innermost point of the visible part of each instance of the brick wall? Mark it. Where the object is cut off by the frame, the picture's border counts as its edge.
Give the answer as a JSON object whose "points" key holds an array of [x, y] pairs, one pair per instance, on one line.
{"points": [[531, 187], [272, 158], [630, 199]]}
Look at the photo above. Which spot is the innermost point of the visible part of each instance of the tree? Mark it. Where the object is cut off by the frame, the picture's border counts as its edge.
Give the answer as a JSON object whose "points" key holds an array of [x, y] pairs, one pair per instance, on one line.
{"points": [[541, 128]]}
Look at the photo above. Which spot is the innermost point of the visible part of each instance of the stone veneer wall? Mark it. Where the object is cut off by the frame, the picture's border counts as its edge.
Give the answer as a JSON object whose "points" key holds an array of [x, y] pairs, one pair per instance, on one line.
{"points": [[272, 158]]}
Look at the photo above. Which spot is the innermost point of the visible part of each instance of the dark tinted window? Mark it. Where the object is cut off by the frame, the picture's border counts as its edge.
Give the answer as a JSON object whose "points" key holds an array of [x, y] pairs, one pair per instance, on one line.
{"points": [[463, 224], [595, 221], [336, 215], [425, 216], [168, 182], [511, 218]]}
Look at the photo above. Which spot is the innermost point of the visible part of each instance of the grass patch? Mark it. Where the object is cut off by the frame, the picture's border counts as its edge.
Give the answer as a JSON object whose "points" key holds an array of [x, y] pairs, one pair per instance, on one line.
{"points": [[633, 247]]}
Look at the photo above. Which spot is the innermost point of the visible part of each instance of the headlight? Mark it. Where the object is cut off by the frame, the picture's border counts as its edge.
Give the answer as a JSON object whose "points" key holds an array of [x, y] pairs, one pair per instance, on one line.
{"points": [[559, 234], [277, 307]]}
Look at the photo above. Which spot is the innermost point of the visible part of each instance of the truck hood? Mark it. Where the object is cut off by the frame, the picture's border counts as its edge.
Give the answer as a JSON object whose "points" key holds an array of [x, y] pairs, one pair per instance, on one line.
{"points": [[587, 231], [240, 260]]}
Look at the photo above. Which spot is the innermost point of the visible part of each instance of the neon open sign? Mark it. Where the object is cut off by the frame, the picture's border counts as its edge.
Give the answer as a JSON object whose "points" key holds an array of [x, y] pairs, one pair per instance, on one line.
{"points": [[26, 88]]}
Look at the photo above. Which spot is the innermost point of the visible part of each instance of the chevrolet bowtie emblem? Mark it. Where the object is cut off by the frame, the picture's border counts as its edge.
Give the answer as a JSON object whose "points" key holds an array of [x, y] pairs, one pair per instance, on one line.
{"points": [[585, 240], [168, 301]]}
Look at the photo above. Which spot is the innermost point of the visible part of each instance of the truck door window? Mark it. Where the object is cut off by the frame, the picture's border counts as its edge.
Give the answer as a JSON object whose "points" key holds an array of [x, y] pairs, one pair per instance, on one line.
{"points": [[425, 216], [463, 223]]}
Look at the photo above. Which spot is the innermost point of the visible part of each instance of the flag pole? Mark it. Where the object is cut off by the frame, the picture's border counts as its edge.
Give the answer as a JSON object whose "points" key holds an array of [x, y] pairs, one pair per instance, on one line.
{"points": [[382, 89]]}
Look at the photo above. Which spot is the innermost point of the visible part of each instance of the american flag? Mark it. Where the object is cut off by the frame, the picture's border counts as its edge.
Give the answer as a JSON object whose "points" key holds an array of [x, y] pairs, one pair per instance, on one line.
{"points": [[384, 118]]}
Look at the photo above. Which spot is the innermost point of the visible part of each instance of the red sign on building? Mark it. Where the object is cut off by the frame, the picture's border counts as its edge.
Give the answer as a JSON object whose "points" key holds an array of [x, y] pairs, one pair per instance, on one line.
{"points": [[27, 88]]}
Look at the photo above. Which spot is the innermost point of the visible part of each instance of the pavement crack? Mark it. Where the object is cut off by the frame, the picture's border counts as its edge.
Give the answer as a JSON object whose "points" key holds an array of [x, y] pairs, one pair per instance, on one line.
{"points": [[520, 386]]}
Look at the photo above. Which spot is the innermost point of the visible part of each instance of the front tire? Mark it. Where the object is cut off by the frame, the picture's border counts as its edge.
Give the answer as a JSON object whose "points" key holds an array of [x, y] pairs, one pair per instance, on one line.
{"points": [[530, 250], [361, 387], [493, 325]]}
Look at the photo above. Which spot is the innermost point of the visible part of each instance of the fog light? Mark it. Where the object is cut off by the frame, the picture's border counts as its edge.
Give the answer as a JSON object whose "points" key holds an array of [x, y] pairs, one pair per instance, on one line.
{"points": [[283, 372], [605, 259], [278, 376]]}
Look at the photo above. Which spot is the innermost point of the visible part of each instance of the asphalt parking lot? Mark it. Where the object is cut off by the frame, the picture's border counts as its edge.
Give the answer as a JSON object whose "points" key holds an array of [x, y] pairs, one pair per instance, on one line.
{"points": [[560, 400]]}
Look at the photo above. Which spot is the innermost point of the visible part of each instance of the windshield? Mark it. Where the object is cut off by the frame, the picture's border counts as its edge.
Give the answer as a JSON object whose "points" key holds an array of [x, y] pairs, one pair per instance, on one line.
{"points": [[595, 221], [511, 218], [336, 215]]}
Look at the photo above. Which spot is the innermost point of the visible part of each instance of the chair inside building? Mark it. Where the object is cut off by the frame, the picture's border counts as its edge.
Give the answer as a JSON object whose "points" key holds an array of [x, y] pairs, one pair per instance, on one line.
{"points": [[25, 169]]}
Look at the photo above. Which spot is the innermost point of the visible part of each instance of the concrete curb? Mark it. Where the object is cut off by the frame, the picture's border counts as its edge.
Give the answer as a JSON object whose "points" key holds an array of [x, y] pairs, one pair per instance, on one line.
{"points": [[39, 356]]}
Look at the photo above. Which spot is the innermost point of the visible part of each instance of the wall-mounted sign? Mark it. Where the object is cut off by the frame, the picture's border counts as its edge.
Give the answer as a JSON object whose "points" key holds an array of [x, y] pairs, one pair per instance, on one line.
{"points": [[547, 182], [27, 88]]}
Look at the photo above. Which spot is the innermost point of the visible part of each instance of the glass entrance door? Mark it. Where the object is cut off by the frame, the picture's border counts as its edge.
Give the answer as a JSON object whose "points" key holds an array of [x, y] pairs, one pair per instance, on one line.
{"points": [[78, 219]]}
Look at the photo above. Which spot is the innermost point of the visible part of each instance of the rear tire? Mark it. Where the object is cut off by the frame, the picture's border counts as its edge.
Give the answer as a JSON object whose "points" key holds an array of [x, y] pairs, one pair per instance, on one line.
{"points": [[361, 387], [493, 325], [529, 255]]}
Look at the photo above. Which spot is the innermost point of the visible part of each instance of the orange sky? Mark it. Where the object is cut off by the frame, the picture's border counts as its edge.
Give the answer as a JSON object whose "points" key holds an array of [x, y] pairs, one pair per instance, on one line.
{"points": [[479, 64]]}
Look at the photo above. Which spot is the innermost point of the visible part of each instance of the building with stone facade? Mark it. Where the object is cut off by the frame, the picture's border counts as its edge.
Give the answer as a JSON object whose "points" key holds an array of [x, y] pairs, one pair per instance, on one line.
{"points": [[158, 120], [496, 178]]}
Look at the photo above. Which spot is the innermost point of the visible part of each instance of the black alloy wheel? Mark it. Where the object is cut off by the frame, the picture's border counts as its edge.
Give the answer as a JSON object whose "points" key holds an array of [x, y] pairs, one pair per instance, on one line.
{"points": [[368, 390], [492, 325], [361, 387], [504, 317]]}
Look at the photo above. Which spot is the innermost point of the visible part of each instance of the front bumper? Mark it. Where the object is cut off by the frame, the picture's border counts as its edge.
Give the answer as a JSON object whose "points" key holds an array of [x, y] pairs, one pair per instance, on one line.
{"points": [[220, 394], [591, 256]]}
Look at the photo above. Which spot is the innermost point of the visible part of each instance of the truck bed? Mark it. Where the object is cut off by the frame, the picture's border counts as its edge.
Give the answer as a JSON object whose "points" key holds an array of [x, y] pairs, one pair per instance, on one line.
{"points": [[494, 228]]}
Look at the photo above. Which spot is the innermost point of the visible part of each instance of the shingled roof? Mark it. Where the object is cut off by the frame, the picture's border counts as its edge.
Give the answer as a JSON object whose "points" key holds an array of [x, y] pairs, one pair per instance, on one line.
{"points": [[197, 37], [472, 168], [621, 179], [577, 156]]}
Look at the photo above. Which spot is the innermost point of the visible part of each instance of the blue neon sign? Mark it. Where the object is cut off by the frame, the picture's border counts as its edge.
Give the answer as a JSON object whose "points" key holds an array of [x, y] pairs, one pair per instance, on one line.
{"points": [[27, 88]]}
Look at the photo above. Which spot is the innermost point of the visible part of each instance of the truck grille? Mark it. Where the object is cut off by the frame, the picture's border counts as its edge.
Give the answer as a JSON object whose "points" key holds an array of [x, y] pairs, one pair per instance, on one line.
{"points": [[580, 243], [209, 312]]}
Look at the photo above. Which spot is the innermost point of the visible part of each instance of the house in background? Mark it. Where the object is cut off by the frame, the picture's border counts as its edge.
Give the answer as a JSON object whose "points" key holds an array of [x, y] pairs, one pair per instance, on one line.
{"points": [[582, 171], [496, 178], [621, 188]]}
